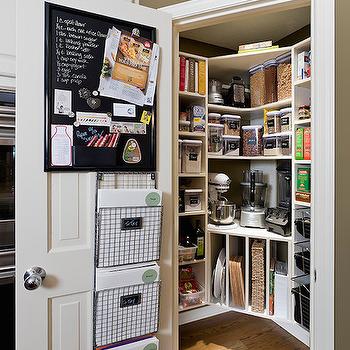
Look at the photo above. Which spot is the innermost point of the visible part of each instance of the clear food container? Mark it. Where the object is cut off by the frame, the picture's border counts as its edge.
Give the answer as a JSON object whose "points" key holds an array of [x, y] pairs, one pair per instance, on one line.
{"points": [[257, 85], [273, 122], [191, 299], [215, 133], [284, 76], [286, 119], [272, 145], [187, 253], [191, 156], [184, 125], [231, 145], [232, 124], [252, 140], [270, 73], [214, 118], [193, 199], [286, 145]]}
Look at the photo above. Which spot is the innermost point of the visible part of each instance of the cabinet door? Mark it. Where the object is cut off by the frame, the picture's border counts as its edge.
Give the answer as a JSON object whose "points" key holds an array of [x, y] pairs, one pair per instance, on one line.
{"points": [[55, 211]]}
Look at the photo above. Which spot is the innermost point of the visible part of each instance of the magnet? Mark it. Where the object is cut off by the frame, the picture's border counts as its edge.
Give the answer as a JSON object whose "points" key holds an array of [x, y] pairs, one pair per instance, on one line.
{"points": [[71, 114], [109, 114], [84, 93], [93, 102], [132, 152], [76, 124], [95, 93]]}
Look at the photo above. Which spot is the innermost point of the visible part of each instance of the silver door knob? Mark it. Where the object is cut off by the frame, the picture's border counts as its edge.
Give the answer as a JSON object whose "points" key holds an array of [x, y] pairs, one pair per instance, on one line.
{"points": [[33, 277]]}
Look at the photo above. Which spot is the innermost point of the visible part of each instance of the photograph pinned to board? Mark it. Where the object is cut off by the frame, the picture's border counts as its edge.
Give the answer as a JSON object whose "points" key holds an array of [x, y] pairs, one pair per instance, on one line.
{"points": [[61, 145], [63, 102], [129, 68]]}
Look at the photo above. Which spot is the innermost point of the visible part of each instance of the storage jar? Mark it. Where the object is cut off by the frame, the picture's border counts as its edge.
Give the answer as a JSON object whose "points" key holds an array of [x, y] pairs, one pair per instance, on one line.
{"points": [[215, 132], [286, 119], [191, 299], [236, 92], [286, 144], [187, 253], [252, 140], [257, 85], [184, 125], [193, 199], [273, 122], [232, 124], [231, 145], [284, 76], [270, 73], [304, 112], [191, 156], [214, 118], [272, 145]]}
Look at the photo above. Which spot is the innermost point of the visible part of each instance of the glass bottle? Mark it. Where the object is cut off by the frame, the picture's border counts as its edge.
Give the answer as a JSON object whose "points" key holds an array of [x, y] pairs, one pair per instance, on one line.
{"points": [[199, 241]]}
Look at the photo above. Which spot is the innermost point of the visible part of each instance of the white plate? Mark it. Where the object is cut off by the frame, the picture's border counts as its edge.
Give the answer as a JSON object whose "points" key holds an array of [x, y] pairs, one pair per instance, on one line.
{"points": [[218, 273]]}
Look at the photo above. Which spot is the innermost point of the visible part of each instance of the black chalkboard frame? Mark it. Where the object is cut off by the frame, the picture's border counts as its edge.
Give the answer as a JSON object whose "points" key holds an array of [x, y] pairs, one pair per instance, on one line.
{"points": [[48, 100]]}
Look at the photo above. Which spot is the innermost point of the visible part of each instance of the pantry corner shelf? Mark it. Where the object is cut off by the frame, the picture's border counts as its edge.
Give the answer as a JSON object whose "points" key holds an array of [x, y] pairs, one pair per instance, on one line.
{"points": [[191, 94], [192, 134], [302, 121], [305, 83], [247, 111], [192, 262], [193, 213], [266, 158], [192, 174]]}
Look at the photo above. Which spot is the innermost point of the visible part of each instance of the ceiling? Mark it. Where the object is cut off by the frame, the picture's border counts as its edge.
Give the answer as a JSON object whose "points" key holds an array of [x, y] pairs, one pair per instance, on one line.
{"points": [[270, 26]]}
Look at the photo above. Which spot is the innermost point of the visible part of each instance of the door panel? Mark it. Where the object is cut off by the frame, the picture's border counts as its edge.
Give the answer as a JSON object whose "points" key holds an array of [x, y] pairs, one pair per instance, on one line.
{"points": [[55, 212]]}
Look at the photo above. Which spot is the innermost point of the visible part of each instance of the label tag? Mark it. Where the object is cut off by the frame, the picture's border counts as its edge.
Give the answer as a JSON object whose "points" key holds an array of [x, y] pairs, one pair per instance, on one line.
{"points": [[146, 117], [130, 300]]}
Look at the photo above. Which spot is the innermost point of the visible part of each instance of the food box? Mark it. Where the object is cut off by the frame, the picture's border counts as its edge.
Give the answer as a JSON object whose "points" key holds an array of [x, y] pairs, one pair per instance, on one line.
{"points": [[299, 144], [307, 143]]}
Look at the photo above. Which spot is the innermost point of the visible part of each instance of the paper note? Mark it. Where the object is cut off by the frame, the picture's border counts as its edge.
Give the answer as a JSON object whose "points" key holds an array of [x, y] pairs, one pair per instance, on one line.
{"points": [[63, 102], [124, 110], [61, 145]]}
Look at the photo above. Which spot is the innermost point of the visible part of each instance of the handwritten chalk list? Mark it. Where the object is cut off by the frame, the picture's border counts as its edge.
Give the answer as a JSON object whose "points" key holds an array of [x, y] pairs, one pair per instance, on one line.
{"points": [[75, 45]]}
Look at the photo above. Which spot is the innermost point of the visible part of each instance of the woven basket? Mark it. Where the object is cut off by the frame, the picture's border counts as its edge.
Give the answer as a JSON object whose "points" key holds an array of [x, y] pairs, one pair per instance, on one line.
{"points": [[258, 276]]}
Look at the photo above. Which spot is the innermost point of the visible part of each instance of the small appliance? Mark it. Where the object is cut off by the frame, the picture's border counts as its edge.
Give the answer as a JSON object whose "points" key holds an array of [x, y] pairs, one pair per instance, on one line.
{"points": [[215, 95], [253, 199], [221, 211]]}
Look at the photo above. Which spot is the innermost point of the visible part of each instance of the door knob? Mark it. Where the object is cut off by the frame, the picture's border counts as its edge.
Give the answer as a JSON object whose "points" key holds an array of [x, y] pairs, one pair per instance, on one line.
{"points": [[33, 277]]}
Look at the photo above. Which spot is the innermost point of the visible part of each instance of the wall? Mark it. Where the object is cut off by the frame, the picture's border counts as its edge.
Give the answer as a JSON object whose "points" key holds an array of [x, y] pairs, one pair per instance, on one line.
{"points": [[342, 234]]}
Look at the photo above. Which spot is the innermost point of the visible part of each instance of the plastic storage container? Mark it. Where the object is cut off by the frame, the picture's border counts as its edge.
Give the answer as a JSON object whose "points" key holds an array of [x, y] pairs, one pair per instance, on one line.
{"points": [[273, 122], [215, 133], [272, 145], [286, 119], [187, 253], [191, 299], [232, 124], [270, 73], [214, 118], [257, 85], [184, 125], [284, 76], [193, 199], [252, 140], [191, 161], [231, 145], [180, 156], [286, 144], [304, 112]]}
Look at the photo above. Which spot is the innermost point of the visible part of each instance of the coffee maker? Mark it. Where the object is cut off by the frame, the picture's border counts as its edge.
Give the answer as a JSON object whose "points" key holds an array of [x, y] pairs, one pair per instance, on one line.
{"points": [[253, 190]]}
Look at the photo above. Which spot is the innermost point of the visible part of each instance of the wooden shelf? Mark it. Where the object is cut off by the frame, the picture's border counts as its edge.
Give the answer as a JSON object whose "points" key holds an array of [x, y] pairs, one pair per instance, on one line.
{"points": [[192, 134], [303, 161], [191, 175], [193, 213], [302, 121], [181, 309], [304, 204], [262, 158], [187, 94], [248, 111], [258, 233], [192, 262], [305, 83]]}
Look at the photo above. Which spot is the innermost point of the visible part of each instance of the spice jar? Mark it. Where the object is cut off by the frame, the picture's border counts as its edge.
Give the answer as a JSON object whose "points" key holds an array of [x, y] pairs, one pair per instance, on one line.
{"points": [[286, 119], [236, 92], [231, 145], [232, 124], [284, 76], [270, 73], [273, 122], [257, 85], [214, 118], [252, 140], [184, 125], [304, 112], [215, 132]]}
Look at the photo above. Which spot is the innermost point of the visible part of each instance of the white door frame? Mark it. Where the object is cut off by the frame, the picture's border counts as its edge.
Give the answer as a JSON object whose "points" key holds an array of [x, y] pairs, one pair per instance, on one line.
{"points": [[198, 13]]}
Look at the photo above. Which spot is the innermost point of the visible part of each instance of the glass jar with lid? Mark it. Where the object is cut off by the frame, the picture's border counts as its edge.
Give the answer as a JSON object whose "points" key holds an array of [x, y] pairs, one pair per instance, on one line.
{"points": [[236, 92]]}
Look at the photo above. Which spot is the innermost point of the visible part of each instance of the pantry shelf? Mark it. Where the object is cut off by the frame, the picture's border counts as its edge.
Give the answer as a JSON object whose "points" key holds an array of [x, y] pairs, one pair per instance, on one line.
{"points": [[305, 83], [304, 204], [249, 158], [303, 161], [302, 121], [249, 111], [192, 262], [192, 175], [187, 94], [191, 134], [181, 309], [193, 213]]}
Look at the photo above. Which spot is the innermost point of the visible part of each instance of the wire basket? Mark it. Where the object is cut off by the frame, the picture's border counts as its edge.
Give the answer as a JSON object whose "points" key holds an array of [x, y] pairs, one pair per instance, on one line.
{"points": [[131, 180], [303, 222], [302, 260], [302, 305], [126, 313], [128, 235]]}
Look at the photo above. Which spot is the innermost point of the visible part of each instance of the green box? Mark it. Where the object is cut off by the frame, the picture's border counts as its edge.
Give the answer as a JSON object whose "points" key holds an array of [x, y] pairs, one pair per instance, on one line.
{"points": [[303, 180], [299, 144]]}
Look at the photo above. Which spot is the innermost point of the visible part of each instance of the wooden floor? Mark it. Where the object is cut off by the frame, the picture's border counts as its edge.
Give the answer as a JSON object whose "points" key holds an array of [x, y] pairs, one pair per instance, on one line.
{"points": [[234, 331]]}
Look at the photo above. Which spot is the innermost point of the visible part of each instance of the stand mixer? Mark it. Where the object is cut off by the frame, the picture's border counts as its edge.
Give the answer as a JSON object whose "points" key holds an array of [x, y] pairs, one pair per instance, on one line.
{"points": [[221, 211], [253, 199]]}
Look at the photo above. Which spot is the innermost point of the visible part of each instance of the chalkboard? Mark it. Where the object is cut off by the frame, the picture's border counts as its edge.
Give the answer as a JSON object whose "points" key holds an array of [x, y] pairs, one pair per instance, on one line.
{"points": [[74, 60]]}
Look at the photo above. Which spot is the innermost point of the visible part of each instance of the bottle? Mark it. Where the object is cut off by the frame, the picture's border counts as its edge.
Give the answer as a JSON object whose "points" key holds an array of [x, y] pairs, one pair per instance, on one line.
{"points": [[199, 241]]}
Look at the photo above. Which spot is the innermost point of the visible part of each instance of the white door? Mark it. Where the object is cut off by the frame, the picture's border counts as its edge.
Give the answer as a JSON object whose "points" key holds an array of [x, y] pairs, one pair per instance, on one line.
{"points": [[55, 211]]}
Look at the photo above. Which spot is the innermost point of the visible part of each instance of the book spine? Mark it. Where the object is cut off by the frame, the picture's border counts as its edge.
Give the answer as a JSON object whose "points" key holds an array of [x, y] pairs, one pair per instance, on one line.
{"points": [[191, 75], [307, 143], [255, 45], [202, 83], [196, 77], [186, 75], [182, 73]]}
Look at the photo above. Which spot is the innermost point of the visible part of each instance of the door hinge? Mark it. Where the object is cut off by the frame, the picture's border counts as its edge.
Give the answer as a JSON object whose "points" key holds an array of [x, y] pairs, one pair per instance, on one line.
{"points": [[315, 275]]}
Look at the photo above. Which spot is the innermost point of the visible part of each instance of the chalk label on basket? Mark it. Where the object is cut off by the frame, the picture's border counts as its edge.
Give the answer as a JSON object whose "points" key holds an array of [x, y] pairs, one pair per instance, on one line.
{"points": [[193, 156], [152, 199], [130, 300], [131, 223], [152, 346], [149, 276]]}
